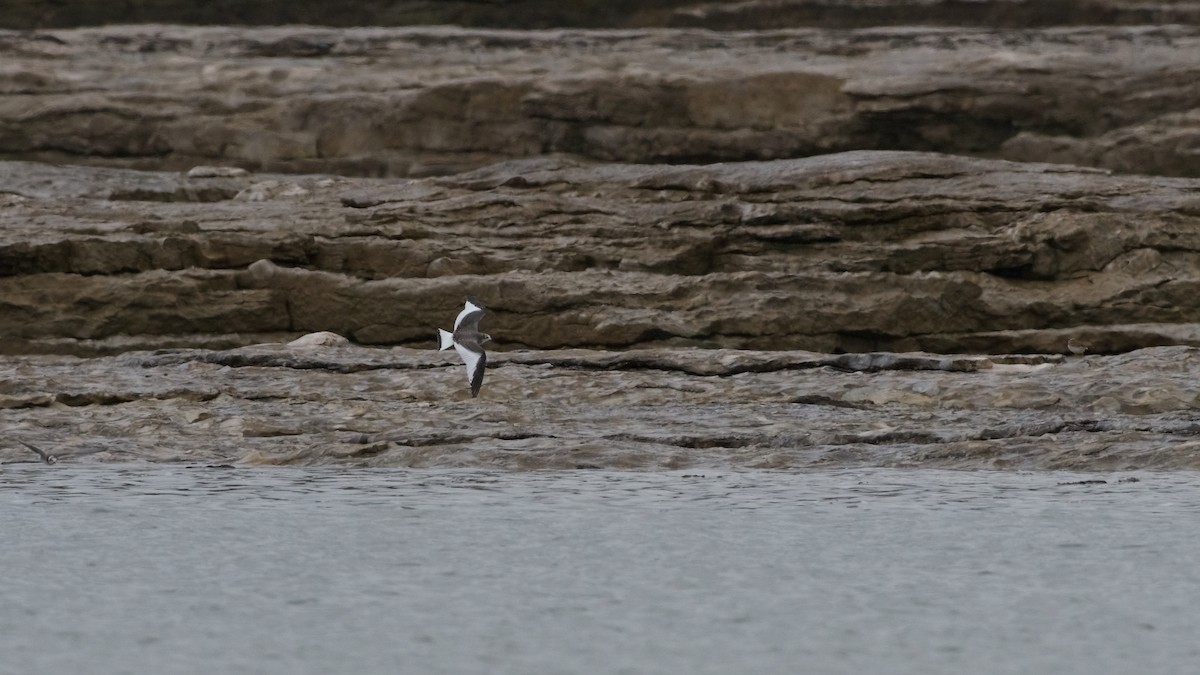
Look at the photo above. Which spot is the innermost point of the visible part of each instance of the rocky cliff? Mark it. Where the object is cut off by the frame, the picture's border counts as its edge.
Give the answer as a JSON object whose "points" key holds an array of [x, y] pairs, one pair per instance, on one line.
{"points": [[856, 251], [413, 102], [635, 208]]}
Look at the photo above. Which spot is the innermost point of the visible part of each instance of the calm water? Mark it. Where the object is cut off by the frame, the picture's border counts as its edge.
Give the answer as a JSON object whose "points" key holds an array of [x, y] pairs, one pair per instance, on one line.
{"points": [[188, 570]]}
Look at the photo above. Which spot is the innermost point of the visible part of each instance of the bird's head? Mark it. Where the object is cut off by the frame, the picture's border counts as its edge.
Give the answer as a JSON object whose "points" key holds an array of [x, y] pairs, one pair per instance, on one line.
{"points": [[484, 337]]}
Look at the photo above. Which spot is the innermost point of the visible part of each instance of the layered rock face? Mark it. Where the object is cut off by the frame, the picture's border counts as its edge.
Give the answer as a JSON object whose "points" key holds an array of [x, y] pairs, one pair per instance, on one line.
{"points": [[589, 409], [635, 208], [412, 102], [848, 252]]}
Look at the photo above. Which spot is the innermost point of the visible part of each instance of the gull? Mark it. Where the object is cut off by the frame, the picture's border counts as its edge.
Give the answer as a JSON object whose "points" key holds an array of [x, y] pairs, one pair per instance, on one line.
{"points": [[46, 457], [468, 342]]}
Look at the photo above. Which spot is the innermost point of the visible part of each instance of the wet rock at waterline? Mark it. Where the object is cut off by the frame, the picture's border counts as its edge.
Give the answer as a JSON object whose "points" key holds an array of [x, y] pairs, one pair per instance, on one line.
{"points": [[638, 409]]}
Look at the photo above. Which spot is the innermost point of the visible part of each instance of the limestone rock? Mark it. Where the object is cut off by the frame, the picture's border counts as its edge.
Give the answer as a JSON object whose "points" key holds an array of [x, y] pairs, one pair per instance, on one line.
{"points": [[644, 409], [321, 339], [854, 252], [216, 172], [425, 101], [790, 248]]}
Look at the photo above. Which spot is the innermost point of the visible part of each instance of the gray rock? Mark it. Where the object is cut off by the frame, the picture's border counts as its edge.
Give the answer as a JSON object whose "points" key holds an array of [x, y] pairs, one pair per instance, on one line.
{"points": [[216, 172], [425, 101], [315, 340], [853, 252], [645, 409], [659, 221]]}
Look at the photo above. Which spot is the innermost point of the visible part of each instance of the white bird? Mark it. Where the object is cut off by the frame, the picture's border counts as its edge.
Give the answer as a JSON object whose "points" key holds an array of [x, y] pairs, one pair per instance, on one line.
{"points": [[468, 342]]}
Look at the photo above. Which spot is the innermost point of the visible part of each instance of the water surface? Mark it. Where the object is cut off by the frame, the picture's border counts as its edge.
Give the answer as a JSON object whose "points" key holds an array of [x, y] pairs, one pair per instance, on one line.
{"points": [[184, 570]]}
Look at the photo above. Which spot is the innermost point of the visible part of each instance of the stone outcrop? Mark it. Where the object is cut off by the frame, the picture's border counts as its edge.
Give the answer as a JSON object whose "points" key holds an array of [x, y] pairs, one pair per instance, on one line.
{"points": [[849, 252], [577, 409], [788, 248], [424, 101]]}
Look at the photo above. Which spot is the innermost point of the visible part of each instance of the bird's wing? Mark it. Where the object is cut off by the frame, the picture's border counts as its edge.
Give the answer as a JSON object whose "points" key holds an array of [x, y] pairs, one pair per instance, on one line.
{"points": [[476, 360], [468, 319]]}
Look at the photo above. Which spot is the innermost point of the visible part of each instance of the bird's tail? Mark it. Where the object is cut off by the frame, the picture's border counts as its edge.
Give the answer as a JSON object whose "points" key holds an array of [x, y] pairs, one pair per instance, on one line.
{"points": [[445, 339]]}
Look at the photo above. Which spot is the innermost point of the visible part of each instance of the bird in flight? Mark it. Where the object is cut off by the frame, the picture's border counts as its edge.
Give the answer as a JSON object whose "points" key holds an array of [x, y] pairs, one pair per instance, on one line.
{"points": [[468, 342]]}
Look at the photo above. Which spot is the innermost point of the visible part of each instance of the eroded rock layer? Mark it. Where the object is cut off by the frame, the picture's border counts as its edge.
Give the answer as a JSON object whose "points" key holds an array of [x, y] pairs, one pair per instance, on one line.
{"points": [[573, 409], [422, 101], [849, 252], [659, 220]]}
